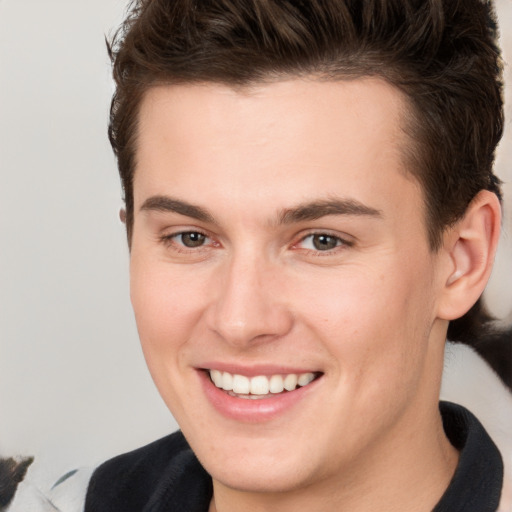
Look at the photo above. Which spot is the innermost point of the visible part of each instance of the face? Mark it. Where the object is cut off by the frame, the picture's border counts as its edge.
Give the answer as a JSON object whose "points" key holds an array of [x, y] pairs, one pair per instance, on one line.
{"points": [[280, 252]]}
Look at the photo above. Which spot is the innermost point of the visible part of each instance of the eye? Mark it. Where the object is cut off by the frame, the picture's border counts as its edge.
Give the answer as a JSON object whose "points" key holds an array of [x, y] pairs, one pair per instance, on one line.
{"points": [[191, 239], [186, 239], [321, 242]]}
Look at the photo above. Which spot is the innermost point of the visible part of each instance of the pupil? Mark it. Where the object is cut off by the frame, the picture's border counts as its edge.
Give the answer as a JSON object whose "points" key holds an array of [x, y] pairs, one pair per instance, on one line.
{"points": [[192, 239], [324, 242]]}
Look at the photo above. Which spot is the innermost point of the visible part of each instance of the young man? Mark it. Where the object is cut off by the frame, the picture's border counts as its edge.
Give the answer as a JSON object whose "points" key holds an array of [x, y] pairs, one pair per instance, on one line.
{"points": [[310, 204]]}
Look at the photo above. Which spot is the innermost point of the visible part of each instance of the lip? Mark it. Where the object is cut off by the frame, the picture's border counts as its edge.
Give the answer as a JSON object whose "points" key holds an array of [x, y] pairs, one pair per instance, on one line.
{"points": [[254, 411]]}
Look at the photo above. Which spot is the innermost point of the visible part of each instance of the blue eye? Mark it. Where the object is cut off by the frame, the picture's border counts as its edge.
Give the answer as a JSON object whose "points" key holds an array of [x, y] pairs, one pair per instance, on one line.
{"points": [[321, 242]]}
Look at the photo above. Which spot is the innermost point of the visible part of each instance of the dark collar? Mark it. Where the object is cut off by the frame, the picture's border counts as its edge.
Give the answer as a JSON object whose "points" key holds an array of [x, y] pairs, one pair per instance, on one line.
{"points": [[478, 479]]}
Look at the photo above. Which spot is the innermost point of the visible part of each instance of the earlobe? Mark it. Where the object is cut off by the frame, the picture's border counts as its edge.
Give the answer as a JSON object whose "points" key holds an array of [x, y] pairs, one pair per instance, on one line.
{"points": [[470, 246], [122, 215]]}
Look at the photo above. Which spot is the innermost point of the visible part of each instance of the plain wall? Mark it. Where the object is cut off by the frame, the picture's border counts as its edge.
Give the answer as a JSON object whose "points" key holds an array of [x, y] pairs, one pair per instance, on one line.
{"points": [[74, 389]]}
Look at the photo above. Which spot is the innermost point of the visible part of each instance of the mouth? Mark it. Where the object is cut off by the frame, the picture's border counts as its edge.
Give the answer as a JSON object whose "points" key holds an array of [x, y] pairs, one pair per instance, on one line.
{"points": [[260, 386]]}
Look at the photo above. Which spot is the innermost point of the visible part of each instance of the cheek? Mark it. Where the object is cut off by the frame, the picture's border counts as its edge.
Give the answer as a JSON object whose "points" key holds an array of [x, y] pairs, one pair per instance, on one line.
{"points": [[167, 307], [352, 303], [375, 325]]}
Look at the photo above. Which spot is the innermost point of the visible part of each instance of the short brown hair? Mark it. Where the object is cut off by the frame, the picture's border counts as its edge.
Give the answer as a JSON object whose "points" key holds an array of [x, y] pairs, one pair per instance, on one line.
{"points": [[442, 54]]}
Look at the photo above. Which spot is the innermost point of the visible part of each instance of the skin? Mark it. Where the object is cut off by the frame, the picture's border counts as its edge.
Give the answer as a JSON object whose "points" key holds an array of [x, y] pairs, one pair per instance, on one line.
{"points": [[366, 313]]}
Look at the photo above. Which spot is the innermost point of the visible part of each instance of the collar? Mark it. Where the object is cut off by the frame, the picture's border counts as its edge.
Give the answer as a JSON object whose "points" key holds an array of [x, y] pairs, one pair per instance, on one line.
{"points": [[478, 479]]}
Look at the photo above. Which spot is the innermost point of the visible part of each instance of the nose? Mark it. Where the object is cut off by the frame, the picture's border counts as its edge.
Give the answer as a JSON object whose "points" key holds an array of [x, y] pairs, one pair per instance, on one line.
{"points": [[249, 305]]}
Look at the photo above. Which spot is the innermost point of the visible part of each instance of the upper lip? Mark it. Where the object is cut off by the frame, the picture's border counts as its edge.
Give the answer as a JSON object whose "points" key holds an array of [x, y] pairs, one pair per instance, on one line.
{"points": [[257, 369]]}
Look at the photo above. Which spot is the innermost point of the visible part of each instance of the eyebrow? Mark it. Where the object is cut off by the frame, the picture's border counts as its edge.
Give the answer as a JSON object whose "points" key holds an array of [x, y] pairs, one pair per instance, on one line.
{"points": [[168, 204], [303, 212], [318, 209]]}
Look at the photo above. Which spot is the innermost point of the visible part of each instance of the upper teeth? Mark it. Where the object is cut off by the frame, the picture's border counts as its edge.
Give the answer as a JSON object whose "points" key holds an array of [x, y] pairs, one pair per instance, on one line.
{"points": [[261, 384]]}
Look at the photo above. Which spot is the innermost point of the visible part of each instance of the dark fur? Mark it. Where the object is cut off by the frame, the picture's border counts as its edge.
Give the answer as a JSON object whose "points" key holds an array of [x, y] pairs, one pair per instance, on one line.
{"points": [[12, 472], [478, 330]]}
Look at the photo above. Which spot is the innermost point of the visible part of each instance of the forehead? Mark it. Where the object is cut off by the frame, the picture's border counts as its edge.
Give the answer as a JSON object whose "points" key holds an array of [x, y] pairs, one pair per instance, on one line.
{"points": [[281, 140], [285, 110]]}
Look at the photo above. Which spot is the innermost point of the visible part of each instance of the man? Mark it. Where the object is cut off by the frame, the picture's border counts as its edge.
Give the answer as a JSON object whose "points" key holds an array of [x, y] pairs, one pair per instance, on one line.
{"points": [[310, 208]]}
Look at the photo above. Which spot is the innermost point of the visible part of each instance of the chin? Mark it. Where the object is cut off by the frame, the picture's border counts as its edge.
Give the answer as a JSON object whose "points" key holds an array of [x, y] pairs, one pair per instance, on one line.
{"points": [[256, 464], [261, 477]]}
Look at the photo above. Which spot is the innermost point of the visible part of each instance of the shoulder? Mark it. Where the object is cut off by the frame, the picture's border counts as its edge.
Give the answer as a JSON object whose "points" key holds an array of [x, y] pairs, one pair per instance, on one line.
{"points": [[131, 481], [144, 460], [477, 482]]}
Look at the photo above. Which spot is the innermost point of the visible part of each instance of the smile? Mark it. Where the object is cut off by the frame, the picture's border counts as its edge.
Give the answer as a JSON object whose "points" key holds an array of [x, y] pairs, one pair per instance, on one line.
{"points": [[260, 386]]}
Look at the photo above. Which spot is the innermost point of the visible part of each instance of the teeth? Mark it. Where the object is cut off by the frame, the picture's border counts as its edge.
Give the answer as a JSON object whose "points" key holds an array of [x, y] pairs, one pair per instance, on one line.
{"points": [[276, 384], [241, 385], [260, 385], [245, 387], [227, 381], [290, 382], [305, 379], [216, 377]]}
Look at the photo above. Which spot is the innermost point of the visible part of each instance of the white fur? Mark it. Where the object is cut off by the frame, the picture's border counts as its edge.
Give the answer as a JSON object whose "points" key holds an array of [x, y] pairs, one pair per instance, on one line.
{"points": [[29, 498], [68, 496]]}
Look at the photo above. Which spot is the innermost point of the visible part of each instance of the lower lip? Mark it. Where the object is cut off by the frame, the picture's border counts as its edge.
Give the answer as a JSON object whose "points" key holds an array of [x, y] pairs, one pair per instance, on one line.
{"points": [[249, 410]]}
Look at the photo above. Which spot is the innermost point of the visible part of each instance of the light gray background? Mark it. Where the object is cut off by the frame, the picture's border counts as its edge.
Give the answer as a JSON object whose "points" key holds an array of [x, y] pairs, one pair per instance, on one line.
{"points": [[74, 388]]}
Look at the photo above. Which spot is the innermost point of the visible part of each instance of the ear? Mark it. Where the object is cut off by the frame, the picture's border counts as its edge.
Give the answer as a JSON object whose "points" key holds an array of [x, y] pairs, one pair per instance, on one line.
{"points": [[468, 250], [122, 215]]}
